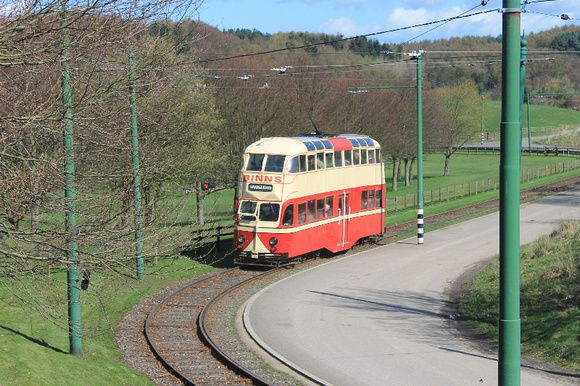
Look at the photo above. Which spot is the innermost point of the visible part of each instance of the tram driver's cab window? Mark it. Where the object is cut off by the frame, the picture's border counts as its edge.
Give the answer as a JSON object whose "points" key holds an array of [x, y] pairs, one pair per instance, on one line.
{"points": [[248, 210], [255, 162], [269, 211]]}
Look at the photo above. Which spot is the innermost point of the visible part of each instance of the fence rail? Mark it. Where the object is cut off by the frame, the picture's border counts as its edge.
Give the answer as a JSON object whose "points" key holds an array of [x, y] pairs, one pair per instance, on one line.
{"points": [[396, 204]]}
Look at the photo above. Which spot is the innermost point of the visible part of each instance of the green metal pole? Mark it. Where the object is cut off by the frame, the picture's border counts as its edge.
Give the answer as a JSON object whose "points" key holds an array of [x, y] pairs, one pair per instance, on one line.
{"points": [[73, 287], [136, 175], [420, 220], [523, 62], [509, 240], [529, 131]]}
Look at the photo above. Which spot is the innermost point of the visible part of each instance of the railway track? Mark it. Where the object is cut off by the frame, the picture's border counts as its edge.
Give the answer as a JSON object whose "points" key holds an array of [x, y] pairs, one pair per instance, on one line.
{"points": [[178, 334]]}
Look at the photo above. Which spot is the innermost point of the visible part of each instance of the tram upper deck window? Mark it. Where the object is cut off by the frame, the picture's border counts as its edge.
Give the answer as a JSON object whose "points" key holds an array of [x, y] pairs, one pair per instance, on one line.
{"points": [[337, 158], [303, 163], [248, 210], [311, 162], [329, 157], [319, 160], [348, 157], [363, 156], [356, 157], [255, 162], [275, 163], [292, 165]]}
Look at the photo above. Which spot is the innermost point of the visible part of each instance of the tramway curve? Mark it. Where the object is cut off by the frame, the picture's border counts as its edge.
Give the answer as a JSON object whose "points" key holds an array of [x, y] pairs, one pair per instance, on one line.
{"points": [[176, 330]]}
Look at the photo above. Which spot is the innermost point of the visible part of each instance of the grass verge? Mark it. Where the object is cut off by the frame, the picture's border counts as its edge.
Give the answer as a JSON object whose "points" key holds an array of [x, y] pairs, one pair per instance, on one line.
{"points": [[550, 298]]}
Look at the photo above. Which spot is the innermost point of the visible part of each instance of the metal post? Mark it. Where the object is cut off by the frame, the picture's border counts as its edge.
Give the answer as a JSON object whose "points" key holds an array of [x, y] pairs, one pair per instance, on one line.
{"points": [[509, 240], [136, 175], [482, 117], [529, 131], [73, 283], [420, 224], [523, 62]]}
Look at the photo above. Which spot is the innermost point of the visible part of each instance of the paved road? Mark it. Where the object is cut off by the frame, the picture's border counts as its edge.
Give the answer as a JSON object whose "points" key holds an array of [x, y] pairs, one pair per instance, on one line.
{"points": [[381, 317]]}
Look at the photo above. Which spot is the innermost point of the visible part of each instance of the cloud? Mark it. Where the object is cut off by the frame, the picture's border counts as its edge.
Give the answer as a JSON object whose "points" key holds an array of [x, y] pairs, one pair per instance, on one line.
{"points": [[344, 26]]}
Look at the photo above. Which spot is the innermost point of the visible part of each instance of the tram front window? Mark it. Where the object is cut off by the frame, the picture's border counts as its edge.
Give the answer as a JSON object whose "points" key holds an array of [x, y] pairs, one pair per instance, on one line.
{"points": [[248, 210], [275, 163], [269, 211]]}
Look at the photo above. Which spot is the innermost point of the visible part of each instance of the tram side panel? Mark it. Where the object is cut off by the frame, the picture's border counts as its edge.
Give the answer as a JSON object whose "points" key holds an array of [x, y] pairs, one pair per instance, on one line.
{"points": [[329, 219]]}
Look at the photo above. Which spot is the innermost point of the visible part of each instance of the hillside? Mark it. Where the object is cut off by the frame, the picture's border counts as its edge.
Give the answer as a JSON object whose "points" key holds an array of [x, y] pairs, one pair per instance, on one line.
{"points": [[550, 68]]}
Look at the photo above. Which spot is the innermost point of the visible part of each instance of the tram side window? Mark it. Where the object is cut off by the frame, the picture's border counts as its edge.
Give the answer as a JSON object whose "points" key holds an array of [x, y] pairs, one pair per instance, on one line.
{"points": [[355, 157], [328, 207], [288, 218], [348, 157], [371, 199], [311, 210], [292, 166], [311, 162], [364, 199], [255, 162], [372, 156], [303, 163], [363, 156], [320, 208], [301, 213], [379, 198], [275, 163], [269, 212], [337, 158], [329, 160], [319, 160], [378, 155]]}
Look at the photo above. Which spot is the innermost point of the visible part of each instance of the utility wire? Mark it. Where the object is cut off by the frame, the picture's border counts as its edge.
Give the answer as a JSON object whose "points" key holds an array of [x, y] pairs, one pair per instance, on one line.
{"points": [[346, 39]]}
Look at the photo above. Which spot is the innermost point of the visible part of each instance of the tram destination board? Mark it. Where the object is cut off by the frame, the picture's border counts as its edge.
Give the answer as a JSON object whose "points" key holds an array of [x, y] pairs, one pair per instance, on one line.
{"points": [[260, 188]]}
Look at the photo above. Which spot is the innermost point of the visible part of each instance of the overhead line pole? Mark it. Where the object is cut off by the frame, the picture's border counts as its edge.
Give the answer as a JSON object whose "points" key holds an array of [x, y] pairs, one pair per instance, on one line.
{"points": [[420, 220], [136, 172], [73, 282], [509, 360]]}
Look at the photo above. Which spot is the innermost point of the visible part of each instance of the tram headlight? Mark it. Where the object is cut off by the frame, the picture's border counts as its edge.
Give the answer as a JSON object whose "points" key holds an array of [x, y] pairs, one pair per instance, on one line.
{"points": [[273, 241], [241, 239]]}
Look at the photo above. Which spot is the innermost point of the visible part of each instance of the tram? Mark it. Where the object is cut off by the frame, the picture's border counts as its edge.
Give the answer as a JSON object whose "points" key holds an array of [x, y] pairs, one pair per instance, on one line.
{"points": [[298, 195]]}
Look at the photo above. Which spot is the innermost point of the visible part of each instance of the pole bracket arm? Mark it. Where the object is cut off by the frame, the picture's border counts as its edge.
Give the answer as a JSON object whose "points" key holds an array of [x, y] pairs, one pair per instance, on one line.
{"points": [[510, 10]]}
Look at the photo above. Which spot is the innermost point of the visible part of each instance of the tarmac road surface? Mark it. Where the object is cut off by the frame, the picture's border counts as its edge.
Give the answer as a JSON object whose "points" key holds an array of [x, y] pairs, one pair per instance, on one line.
{"points": [[381, 317]]}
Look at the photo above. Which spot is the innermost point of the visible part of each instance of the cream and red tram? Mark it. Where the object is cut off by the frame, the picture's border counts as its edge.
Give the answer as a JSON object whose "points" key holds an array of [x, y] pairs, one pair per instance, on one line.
{"points": [[303, 194]]}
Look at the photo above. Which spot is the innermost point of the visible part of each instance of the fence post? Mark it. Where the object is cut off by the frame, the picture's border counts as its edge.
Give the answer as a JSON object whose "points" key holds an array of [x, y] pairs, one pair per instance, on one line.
{"points": [[218, 240]]}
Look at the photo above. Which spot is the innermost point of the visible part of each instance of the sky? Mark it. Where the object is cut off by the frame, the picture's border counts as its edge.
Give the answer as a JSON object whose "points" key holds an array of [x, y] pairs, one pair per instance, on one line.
{"points": [[360, 17]]}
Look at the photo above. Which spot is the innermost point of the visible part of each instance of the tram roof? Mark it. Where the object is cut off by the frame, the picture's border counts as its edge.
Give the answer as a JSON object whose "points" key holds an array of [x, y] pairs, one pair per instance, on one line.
{"points": [[301, 144]]}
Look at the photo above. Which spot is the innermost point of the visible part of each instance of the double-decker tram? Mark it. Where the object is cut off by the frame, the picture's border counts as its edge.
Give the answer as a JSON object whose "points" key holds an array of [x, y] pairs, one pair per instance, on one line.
{"points": [[299, 195]]}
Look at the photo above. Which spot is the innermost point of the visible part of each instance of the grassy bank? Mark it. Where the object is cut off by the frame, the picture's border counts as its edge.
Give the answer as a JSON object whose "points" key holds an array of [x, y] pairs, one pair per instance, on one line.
{"points": [[34, 343], [550, 298]]}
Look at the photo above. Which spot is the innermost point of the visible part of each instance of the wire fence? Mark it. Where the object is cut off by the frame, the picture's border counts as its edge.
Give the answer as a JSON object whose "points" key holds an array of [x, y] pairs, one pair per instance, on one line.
{"points": [[399, 203]]}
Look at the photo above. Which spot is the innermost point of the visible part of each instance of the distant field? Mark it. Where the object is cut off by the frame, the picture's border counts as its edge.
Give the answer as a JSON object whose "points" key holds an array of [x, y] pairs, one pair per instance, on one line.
{"points": [[540, 117]]}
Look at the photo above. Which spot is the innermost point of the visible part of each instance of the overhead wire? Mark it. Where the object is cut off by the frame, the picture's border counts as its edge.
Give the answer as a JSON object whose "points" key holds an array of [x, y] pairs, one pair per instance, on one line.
{"points": [[345, 39]]}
